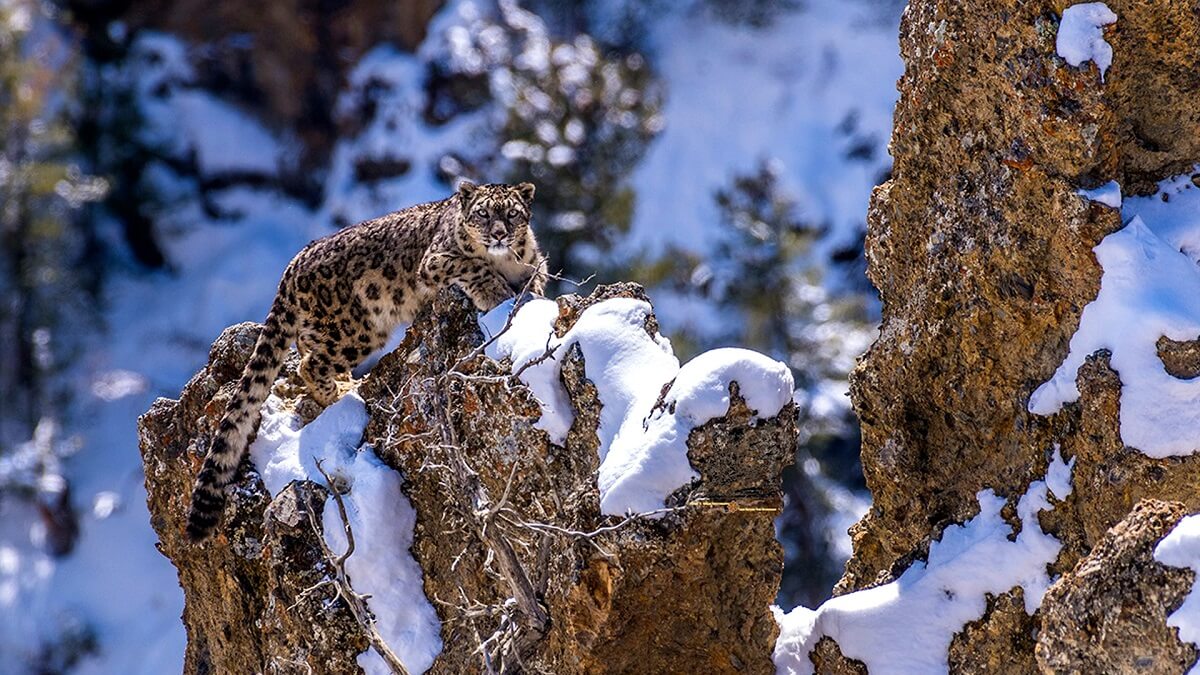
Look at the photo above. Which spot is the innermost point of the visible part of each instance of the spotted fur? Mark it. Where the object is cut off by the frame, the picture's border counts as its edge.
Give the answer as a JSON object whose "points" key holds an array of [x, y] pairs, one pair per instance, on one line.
{"points": [[343, 295]]}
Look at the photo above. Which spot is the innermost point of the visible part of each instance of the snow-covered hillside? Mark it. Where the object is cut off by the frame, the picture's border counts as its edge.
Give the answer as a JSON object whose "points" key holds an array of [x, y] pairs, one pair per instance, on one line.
{"points": [[814, 92]]}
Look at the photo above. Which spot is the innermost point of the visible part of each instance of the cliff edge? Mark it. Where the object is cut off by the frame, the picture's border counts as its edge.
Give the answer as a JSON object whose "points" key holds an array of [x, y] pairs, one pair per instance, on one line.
{"points": [[620, 519]]}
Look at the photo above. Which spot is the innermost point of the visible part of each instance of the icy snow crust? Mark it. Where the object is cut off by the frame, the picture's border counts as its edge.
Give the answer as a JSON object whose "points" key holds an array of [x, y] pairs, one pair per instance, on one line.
{"points": [[1150, 288], [905, 627], [1081, 35], [643, 448], [1181, 548], [380, 516]]}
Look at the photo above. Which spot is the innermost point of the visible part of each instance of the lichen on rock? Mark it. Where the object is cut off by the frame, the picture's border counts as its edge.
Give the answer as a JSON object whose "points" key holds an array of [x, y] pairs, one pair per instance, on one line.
{"points": [[1110, 611]]}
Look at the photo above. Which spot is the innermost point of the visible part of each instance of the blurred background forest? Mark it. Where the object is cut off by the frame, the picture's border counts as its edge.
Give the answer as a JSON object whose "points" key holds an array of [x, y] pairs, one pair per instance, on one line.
{"points": [[162, 160]]}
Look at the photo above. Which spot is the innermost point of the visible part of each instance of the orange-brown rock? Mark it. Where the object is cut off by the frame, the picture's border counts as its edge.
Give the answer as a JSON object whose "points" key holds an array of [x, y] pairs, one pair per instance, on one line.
{"points": [[242, 607], [687, 593], [496, 504], [1110, 611], [981, 249]]}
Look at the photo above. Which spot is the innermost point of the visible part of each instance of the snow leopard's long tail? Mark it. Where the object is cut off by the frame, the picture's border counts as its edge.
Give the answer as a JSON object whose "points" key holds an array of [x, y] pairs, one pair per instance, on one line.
{"points": [[241, 418]]}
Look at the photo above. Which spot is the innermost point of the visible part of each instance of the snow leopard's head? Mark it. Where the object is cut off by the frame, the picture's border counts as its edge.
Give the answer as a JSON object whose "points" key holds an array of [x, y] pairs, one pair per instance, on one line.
{"points": [[496, 215]]}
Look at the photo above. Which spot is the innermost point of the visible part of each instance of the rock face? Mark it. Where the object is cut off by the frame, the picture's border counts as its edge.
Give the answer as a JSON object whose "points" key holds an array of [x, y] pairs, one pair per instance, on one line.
{"points": [[1110, 611], [241, 593], [509, 532], [981, 249]]}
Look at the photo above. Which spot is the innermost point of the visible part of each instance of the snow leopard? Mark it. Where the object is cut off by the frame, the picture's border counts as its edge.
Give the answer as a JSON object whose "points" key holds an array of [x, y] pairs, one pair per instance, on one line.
{"points": [[343, 295]]}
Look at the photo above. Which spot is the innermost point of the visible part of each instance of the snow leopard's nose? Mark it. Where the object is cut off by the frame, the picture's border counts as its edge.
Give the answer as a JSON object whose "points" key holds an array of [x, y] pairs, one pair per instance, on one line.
{"points": [[498, 231]]}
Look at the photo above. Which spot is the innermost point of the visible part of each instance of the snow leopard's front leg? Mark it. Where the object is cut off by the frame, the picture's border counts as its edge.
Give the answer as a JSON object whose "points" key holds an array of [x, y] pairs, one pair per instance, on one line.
{"points": [[476, 277]]}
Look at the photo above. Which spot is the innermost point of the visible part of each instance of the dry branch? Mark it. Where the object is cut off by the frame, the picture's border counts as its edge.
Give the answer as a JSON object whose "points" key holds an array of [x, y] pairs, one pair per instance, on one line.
{"points": [[357, 602]]}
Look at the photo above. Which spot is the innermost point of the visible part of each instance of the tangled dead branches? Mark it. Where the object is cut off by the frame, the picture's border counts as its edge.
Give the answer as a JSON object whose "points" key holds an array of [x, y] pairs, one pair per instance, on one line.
{"points": [[428, 414]]}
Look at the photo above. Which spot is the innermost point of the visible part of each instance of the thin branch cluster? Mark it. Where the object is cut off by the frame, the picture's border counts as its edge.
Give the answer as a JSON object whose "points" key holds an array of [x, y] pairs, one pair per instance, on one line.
{"points": [[522, 619]]}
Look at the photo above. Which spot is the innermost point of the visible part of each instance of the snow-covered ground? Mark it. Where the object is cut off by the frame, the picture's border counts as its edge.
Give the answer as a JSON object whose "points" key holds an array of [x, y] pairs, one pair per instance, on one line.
{"points": [[814, 90]]}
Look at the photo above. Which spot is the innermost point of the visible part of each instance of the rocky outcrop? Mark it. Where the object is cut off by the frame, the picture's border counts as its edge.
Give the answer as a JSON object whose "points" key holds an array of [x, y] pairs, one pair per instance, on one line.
{"points": [[981, 248], [519, 562], [242, 594], [1110, 611]]}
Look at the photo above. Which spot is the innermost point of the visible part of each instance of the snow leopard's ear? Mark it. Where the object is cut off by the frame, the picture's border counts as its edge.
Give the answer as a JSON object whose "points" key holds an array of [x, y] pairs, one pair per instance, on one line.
{"points": [[466, 192], [526, 191]]}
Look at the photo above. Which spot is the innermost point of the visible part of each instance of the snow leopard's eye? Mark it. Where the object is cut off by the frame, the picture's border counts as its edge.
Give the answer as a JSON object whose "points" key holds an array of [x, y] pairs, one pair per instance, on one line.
{"points": [[513, 213]]}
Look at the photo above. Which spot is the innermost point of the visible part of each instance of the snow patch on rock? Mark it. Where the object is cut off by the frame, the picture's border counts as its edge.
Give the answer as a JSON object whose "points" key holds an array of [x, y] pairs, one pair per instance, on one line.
{"points": [[1181, 548], [906, 626], [1081, 35], [380, 516], [1108, 194], [1172, 212], [643, 447], [1150, 288], [1058, 475]]}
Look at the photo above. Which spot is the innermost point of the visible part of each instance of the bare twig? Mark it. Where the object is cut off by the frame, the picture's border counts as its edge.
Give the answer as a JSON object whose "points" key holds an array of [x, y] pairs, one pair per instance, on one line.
{"points": [[566, 280], [547, 354], [508, 321], [512, 518], [508, 541], [527, 620], [558, 276], [535, 620], [630, 518], [357, 602]]}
